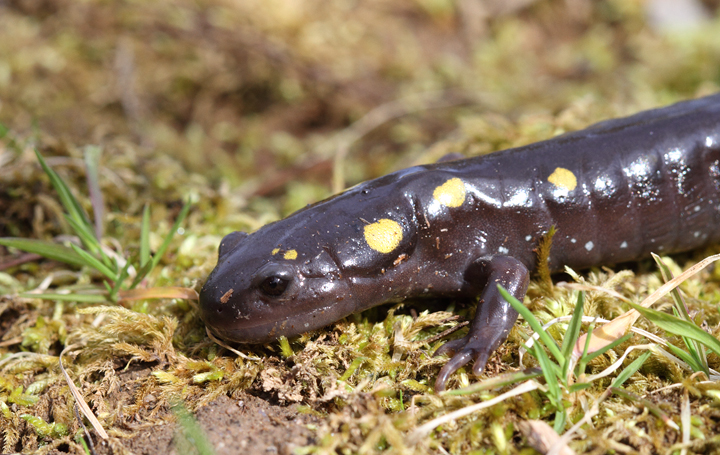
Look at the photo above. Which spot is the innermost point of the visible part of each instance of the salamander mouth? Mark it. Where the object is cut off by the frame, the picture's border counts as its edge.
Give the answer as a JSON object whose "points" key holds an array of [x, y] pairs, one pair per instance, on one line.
{"points": [[233, 317], [263, 332], [257, 330]]}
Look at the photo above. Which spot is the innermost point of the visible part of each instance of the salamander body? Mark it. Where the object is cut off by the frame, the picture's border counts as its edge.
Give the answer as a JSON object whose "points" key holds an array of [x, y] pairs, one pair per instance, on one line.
{"points": [[615, 192]]}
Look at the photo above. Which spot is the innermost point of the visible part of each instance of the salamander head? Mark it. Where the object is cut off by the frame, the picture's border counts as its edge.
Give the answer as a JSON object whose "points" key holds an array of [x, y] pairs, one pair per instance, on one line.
{"points": [[261, 289]]}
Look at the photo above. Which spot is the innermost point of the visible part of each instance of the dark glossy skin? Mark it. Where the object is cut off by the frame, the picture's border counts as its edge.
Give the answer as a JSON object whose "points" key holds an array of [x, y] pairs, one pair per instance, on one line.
{"points": [[615, 192]]}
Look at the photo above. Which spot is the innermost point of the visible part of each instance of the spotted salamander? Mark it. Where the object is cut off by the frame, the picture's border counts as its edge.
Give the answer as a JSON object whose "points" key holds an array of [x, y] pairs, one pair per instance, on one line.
{"points": [[615, 192]]}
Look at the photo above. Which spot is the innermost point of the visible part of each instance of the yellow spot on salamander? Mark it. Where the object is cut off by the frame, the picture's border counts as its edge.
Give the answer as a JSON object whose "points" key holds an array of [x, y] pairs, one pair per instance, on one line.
{"points": [[563, 178], [290, 254], [384, 235], [450, 193], [275, 251]]}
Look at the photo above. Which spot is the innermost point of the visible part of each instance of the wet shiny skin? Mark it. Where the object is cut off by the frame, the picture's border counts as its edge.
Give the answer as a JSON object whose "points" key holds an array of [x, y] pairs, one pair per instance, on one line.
{"points": [[615, 192]]}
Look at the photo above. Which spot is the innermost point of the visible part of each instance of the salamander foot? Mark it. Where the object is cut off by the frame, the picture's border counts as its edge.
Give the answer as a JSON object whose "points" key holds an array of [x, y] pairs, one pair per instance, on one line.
{"points": [[478, 347]]}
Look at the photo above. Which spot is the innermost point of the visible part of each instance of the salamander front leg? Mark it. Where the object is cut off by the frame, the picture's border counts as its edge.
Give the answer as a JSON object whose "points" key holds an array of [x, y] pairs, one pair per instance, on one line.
{"points": [[493, 319]]}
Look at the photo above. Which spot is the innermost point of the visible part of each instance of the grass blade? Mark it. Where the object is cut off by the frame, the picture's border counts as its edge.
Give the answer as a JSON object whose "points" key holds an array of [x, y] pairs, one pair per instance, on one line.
{"points": [[85, 234], [85, 298], [679, 303], [582, 359], [579, 386], [95, 263], [677, 326], [142, 273], [606, 348], [67, 199], [161, 251], [572, 333], [687, 358], [551, 377], [192, 435], [45, 249], [145, 237], [92, 166], [534, 323], [630, 370], [497, 381], [560, 419], [697, 351], [118, 283], [620, 325]]}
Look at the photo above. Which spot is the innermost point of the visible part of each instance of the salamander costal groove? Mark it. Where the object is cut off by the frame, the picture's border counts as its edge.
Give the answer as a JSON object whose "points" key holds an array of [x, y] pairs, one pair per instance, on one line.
{"points": [[615, 192]]}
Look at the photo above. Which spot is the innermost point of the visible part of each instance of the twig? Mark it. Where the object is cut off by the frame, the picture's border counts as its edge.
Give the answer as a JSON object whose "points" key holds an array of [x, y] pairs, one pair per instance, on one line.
{"points": [[426, 428], [445, 333], [10, 342], [543, 438], [19, 260], [234, 351], [87, 412], [685, 420], [592, 287], [87, 433], [170, 292]]}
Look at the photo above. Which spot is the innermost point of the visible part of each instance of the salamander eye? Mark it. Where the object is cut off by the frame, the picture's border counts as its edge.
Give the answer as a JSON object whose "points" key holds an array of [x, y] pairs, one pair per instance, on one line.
{"points": [[274, 285], [274, 279]]}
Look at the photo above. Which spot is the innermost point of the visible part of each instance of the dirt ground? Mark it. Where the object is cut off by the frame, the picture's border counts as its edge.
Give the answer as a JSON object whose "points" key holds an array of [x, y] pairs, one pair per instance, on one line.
{"points": [[246, 424]]}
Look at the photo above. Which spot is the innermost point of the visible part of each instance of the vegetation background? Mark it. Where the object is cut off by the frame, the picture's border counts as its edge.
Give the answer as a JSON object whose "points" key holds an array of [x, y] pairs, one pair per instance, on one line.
{"points": [[251, 110]]}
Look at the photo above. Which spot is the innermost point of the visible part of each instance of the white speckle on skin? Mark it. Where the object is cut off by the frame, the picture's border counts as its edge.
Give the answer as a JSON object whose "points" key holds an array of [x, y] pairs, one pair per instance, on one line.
{"points": [[528, 238], [589, 246], [573, 240], [697, 208], [674, 155], [696, 234], [519, 198], [503, 250], [307, 325], [623, 245]]}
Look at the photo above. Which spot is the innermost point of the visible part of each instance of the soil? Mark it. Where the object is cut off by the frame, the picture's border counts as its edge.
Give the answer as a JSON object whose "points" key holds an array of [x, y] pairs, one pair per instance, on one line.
{"points": [[246, 425]]}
